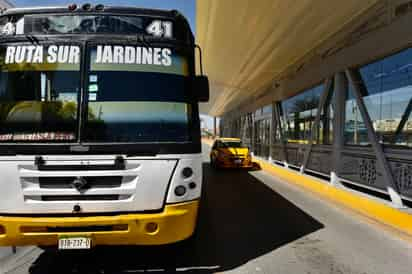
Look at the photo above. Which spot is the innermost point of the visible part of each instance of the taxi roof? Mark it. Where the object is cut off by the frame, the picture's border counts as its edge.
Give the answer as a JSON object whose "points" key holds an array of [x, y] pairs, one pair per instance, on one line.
{"points": [[228, 139]]}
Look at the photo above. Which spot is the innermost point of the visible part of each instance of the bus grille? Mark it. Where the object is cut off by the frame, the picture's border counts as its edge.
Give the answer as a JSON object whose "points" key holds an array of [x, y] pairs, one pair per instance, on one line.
{"points": [[50, 184], [80, 198], [92, 182]]}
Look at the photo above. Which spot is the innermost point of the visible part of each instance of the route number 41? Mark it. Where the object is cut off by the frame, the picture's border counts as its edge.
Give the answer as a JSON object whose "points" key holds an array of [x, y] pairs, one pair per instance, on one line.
{"points": [[160, 29]]}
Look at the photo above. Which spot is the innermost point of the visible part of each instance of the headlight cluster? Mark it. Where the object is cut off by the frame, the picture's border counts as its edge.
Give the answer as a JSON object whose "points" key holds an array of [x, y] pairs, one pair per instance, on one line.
{"points": [[186, 181], [181, 190]]}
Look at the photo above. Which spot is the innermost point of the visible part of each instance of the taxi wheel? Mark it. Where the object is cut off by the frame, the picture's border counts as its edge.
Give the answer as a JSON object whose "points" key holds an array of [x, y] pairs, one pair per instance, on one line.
{"points": [[213, 163]]}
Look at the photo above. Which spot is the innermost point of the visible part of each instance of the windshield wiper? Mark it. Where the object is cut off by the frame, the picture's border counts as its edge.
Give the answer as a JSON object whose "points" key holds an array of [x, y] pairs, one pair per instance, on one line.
{"points": [[33, 39], [142, 39]]}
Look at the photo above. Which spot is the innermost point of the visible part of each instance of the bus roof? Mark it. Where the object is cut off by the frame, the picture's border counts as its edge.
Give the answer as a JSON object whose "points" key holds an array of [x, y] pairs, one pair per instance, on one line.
{"points": [[173, 15], [126, 10]]}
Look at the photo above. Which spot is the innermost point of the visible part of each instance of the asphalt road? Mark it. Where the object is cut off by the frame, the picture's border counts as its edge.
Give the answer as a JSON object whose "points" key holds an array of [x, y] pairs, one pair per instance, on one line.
{"points": [[250, 222]]}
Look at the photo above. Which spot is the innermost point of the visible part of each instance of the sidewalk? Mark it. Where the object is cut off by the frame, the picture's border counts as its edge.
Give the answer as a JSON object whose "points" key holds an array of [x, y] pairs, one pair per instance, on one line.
{"points": [[10, 260]]}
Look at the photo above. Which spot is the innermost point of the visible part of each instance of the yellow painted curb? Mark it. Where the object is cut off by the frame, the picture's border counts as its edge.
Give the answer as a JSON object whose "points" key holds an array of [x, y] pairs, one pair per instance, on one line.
{"points": [[380, 212]]}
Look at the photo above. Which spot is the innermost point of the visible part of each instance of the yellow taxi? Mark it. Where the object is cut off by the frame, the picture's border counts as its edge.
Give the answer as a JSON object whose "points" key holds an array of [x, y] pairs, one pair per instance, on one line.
{"points": [[230, 153]]}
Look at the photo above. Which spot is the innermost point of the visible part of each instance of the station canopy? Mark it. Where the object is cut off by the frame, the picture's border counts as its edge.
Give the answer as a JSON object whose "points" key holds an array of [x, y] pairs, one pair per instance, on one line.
{"points": [[247, 43]]}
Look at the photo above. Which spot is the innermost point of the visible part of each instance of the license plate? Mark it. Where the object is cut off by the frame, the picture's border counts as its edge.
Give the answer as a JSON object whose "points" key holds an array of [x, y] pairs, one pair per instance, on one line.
{"points": [[75, 243], [238, 161]]}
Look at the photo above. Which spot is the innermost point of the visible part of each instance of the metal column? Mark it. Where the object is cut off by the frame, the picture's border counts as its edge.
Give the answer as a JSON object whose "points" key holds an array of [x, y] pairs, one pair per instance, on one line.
{"points": [[252, 132], [214, 126], [340, 95], [278, 116], [272, 131]]}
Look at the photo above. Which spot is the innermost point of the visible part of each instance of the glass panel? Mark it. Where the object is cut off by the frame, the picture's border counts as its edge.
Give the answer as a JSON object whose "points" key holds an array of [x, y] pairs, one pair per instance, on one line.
{"points": [[138, 102], [299, 113], [39, 94], [355, 130], [64, 24], [262, 137], [388, 83], [325, 130], [247, 129], [267, 109]]}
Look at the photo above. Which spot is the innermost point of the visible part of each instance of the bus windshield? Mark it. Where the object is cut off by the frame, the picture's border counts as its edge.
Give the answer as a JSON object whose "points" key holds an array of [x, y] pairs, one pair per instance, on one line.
{"points": [[38, 100], [137, 94], [132, 94], [68, 24]]}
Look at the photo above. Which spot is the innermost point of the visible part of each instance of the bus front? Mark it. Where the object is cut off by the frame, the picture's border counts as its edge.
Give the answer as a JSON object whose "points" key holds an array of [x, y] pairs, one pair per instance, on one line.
{"points": [[99, 127]]}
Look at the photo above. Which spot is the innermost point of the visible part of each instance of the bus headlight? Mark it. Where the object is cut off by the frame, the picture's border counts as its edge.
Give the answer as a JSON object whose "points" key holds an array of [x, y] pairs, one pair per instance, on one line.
{"points": [[187, 172], [180, 190], [186, 181]]}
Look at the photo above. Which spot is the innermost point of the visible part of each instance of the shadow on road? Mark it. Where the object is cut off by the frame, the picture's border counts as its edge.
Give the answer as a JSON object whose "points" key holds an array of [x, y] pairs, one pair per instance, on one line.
{"points": [[240, 219]]}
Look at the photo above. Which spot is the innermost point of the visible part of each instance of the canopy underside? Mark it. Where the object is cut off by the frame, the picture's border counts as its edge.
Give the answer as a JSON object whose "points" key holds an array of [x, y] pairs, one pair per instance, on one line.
{"points": [[247, 44]]}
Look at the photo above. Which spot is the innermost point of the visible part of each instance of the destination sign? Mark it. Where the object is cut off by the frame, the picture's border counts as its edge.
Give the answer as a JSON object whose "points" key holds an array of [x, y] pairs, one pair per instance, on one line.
{"points": [[37, 54], [105, 54], [133, 55]]}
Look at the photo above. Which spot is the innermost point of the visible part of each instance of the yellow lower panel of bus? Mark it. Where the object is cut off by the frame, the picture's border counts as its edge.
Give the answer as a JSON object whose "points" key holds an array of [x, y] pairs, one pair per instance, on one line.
{"points": [[175, 223]]}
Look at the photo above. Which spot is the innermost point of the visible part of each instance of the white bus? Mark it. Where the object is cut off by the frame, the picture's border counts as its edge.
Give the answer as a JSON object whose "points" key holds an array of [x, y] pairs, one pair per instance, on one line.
{"points": [[99, 127]]}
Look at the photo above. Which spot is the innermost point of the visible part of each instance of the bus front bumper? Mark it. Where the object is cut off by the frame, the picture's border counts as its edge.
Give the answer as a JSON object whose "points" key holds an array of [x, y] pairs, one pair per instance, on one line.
{"points": [[177, 222]]}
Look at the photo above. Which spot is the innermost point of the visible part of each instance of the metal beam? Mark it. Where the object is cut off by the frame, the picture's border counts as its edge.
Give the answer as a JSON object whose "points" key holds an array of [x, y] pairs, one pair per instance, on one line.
{"points": [[278, 116], [214, 127], [272, 131], [251, 129], [339, 99], [393, 190], [315, 126]]}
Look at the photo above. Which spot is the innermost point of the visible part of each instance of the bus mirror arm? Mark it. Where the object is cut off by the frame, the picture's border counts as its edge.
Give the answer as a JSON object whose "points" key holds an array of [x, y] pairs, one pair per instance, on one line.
{"points": [[201, 82]]}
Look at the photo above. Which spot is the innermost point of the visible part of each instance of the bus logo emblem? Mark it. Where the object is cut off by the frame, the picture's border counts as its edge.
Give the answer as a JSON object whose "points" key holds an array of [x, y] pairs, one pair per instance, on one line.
{"points": [[80, 184]]}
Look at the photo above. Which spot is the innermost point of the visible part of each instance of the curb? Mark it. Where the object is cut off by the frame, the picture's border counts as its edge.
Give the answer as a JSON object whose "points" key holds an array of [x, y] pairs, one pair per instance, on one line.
{"points": [[11, 260]]}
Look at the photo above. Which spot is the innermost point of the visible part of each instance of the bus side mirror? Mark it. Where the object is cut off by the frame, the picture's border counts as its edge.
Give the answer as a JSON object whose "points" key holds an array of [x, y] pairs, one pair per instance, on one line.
{"points": [[201, 88]]}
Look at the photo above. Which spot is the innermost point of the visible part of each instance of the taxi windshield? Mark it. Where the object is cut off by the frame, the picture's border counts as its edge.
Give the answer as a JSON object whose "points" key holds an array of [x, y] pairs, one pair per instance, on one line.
{"points": [[234, 144]]}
